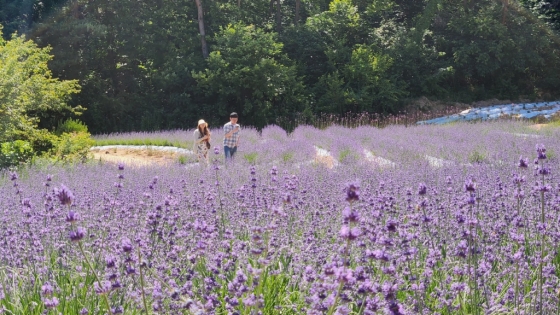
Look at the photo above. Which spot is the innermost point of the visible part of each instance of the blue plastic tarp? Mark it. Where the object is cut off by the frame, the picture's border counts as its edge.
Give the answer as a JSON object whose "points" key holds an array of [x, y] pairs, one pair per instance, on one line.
{"points": [[526, 110]]}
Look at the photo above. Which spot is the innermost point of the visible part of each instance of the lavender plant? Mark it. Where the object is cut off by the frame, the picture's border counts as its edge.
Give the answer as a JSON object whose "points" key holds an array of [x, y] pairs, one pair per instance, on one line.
{"points": [[288, 237]]}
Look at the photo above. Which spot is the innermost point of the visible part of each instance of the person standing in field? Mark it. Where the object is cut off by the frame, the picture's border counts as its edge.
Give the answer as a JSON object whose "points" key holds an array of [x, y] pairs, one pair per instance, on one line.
{"points": [[202, 141], [231, 136]]}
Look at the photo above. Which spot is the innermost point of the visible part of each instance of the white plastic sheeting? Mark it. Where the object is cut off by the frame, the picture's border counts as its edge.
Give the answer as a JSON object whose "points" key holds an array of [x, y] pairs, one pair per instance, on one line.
{"points": [[526, 110]]}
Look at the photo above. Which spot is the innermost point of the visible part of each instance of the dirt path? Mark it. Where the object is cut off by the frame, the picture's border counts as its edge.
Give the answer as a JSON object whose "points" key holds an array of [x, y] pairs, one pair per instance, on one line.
{"points": [[136, 157], [537, 126]]}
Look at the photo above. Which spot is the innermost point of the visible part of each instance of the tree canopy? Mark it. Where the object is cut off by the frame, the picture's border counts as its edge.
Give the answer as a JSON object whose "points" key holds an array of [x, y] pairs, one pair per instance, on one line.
{"points": [[140, 65], [28, 92]]}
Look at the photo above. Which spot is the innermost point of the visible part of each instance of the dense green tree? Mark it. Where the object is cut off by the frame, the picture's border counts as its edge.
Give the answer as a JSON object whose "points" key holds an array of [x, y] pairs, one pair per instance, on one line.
{"points": [[546, 10], [133, 60], [248, 73], [491, 57], [19, 15], [141, 67], [28, 92]]}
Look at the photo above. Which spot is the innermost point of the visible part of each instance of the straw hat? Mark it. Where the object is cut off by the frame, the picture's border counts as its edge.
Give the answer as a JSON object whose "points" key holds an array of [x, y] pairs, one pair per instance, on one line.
{"points": [[200, 122]]}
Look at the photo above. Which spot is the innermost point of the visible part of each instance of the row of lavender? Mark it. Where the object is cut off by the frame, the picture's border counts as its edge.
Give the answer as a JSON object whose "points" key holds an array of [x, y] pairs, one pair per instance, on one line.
{"points": [[284, 237], [459, 143]]}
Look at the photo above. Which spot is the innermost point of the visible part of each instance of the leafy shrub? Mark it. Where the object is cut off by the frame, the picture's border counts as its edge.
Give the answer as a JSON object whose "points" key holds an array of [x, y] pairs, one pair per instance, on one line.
{"points": [[42, 141], [73, 146], [15, 152], [71, 125]]}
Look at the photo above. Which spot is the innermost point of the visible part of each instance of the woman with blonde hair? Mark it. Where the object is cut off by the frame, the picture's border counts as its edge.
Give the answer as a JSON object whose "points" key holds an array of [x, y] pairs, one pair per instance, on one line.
{"points": [[202, 141]]}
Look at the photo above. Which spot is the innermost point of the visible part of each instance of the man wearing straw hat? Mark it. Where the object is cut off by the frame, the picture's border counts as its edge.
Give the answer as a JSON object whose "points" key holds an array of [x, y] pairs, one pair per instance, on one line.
{"points": [[202, 141], [231, 136]]}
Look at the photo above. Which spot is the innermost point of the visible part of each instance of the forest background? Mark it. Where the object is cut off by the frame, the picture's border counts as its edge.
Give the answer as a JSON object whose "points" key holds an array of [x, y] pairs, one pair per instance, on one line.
{"points": [[163, 64]]}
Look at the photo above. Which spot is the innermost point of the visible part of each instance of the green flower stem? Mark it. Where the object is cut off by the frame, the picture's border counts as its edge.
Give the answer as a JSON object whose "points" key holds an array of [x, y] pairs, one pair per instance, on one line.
{"points": [[333, 307], [95, 275], [142, 281]]}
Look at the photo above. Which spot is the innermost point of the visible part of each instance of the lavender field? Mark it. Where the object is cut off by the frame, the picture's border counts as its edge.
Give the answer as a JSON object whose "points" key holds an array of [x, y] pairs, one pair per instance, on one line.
{"points": [[451, 219]]}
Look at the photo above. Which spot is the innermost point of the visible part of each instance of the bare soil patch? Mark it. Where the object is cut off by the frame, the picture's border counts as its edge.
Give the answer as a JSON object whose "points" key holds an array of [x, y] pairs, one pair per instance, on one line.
{"points": [[325, 160], [538, 126], [136, 157]]}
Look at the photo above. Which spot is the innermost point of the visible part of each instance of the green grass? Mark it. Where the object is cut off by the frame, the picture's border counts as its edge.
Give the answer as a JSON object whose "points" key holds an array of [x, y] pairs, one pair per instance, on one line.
{"points": [[251, 157], [145, 141], [287, 157]]}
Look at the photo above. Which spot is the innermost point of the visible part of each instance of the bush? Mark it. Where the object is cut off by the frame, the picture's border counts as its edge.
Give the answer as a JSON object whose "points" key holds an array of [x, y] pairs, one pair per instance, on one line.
{"points": [[70, 125], [73, 146], [42, 141], [15, 152]]}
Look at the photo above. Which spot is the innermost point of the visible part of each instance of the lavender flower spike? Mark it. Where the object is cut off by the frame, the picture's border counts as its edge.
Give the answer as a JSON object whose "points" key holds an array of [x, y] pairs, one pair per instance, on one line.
{"points": [[77, 235], [470, 185], [523, 163], [422, 189], [541, 151], [64, 194], [72, 216], [352, 192]]}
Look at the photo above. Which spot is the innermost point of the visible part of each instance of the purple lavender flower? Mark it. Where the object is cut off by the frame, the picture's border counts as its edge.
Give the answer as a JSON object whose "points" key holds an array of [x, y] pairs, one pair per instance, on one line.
{"points": [[216, 150], [84, 311], [471, 199], [26, 202], [350, 215], [541, 151], [77, 235], [72, 217], [64, 195], [422, 204], [126, 245], [517, 179], [110, 261], [422, 189], [13, 176], [543, 170], [287, 198], [458, 287], [395, 308], [541, 187], [102, 288], [523, 163], [392, 225], [51, 303], [47, 289], [250, 300], [470, 184], [120, 166], [352, 192], [349, 233]]}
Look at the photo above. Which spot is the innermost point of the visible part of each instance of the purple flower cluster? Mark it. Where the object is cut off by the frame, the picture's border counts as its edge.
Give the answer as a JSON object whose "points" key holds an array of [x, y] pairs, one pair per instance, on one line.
{"points": [[283, 234]]}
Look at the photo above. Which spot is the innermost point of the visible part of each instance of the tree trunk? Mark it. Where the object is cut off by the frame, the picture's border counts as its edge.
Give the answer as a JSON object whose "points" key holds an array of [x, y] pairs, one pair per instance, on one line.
{"points": [[201, 28], [505, 4], [239, 3], [278, 17], [298, 3]]}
